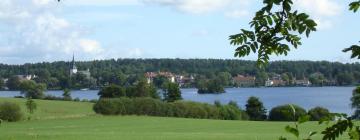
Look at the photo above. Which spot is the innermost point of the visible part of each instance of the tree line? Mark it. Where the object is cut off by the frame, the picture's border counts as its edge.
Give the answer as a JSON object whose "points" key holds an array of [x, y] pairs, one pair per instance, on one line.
{"points": [[127, 71]]}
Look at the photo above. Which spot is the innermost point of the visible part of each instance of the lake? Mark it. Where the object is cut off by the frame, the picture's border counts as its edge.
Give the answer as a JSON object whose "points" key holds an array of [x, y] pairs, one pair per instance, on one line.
{"points": [[336, 99]]}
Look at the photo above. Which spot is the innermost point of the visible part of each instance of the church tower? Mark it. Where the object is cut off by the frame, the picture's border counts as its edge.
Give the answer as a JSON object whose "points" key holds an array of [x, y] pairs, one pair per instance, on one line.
{"points": [[73, 69]]}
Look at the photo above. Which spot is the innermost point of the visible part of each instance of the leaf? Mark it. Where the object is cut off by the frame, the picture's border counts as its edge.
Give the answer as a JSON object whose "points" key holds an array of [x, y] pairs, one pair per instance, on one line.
{"points": [[292, 130]]}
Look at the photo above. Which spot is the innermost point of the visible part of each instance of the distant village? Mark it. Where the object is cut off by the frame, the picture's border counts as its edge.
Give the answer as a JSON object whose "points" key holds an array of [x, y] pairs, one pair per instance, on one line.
{"points": [[237, 81]]}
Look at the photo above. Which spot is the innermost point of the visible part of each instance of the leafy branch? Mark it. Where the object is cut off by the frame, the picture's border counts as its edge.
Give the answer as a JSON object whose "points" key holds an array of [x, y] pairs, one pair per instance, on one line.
{"points": [[273, 31], [355, 49]]}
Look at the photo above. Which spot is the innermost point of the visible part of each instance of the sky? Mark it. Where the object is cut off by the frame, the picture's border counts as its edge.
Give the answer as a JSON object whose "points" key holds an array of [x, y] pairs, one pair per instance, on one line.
{"points": [[45, 30]]}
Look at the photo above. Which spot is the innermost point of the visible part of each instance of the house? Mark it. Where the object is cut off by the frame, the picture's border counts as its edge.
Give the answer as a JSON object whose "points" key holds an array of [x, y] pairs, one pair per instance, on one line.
{"points": [[278, 83], [26, 77], [269, 83], [302, 82], [244, 81], [151, 75]]}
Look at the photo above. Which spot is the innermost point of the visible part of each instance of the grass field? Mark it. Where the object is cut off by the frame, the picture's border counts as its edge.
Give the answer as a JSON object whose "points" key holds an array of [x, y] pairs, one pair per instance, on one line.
{"points": [[57, 120]]}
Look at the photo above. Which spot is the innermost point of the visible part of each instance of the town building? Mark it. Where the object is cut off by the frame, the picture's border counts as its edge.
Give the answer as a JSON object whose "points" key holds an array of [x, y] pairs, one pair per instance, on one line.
{"points": [[26, 77], [302, 82], [73, 70], [269, 83], [151, 75], [244, 81]]}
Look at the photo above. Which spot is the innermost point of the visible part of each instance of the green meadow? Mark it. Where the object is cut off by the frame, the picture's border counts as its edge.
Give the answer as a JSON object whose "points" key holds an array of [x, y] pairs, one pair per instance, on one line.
{"points": [[60, 120]]}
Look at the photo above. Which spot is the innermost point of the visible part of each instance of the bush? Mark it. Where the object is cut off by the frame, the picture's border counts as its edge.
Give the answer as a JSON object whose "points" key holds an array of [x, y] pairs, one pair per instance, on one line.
{"points": [[148, 106], [51, 97], [112, 91], [286, 113], [154, 107], [10, 112], [318, 113]]}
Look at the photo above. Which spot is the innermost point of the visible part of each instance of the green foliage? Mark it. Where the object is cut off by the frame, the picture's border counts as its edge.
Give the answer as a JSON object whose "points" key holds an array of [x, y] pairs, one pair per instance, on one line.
{"points": [[142, 89], [255, 109], [155, 107], [171, 92], [2, 83], [319, 113], [354, 6], [67, 94], [31, 105], [295, 130], [355, 51], [112, 91], [286, 113], [106, 71], [273, 31], [213, 86], [13, 83], [10, 112], [33, 90], [160, 81], [355, 102]]}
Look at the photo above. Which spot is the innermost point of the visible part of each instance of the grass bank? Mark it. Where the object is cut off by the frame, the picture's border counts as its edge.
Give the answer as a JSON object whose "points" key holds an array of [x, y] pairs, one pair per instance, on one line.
{"points": [[60, 120]]}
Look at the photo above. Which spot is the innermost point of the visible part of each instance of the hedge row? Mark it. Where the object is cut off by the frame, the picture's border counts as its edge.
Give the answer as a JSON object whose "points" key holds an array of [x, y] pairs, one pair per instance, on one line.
{"points": [[181, 109]]}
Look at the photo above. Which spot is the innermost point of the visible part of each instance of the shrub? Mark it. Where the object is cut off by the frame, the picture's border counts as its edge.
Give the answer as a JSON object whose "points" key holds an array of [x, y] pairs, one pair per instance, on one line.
{"points": [[112, 91], [319, 113], [148, 106], [229, 112], [286, 113], [154, 107], [105, 107], [10, 112], [51, 97]]}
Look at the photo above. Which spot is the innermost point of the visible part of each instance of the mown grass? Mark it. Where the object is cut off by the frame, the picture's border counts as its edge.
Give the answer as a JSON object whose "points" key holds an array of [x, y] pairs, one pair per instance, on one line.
{"points": [[54, 109], [58, 120]]}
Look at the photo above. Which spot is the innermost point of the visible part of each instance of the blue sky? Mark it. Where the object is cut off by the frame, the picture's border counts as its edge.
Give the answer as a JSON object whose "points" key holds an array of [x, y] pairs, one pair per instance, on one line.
{"points": [[44, 30]]}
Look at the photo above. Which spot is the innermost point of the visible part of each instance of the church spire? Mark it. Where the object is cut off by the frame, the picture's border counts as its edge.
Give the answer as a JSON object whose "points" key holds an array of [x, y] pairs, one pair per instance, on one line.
{"points": [[73, 69]]}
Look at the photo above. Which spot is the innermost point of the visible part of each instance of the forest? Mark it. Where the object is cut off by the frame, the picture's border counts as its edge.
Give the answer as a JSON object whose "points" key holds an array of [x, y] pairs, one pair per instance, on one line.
{"points": [[127, 71]]}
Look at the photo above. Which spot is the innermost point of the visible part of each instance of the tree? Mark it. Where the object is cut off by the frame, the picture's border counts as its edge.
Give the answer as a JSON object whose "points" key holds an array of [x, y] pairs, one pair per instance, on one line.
{"points": [[13, 83], [355, 102], [286, 113], [172, 92], [345, 79], [67, 95], [275, 27], [32, 90], [317, 79], [226, 78], [31, 105], [143, 89], [160, 81], [112, 91], [2, 84], [255, 109], [319, 113]]}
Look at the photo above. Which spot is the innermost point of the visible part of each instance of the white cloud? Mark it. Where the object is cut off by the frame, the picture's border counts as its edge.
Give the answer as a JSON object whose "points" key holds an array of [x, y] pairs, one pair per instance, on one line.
{"points": [[33, 32], [200, 6], [100, 2], [237, 14], [324, 11]]}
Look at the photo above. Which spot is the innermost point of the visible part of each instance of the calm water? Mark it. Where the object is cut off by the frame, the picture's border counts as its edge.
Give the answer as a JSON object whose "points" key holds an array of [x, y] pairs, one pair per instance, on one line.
{"points": [[336, 99]]}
